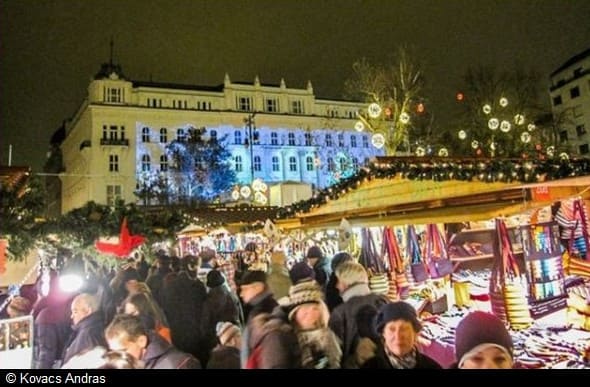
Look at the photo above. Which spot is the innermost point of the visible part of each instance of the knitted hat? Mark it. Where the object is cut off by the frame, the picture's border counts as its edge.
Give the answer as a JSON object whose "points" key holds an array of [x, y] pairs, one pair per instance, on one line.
{"points": [[478, 328], [225, 331], [215, 278], [21, 305], [306, 292], [314, 252], [301, 271], [394, 311], [252, 276]]}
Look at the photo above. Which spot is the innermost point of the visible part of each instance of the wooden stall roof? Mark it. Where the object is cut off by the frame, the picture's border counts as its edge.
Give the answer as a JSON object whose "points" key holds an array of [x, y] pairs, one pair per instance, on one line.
{"points": [[402, 201], [234, 219], [14, 178]]}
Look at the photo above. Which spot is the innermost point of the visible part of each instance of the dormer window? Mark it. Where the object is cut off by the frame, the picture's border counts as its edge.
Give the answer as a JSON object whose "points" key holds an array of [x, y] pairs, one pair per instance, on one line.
{"points": [[113, 94]]}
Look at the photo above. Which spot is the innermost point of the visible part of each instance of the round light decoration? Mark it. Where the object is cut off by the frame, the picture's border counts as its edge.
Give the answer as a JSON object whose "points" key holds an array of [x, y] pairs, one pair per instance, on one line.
{"points": [[260, 198], [493, 123], [245, 191], [564, 156], [505, 126], [525, 137], [420, 151], [487, 109], [259, 186], [378, 140], [443, 152], [519, 119], [503, 101], [462, 135], [404, 118], [374, 110], [493, 146], [235, 195], [551, 151], [531, 127], [359, 126], [474, 144]]}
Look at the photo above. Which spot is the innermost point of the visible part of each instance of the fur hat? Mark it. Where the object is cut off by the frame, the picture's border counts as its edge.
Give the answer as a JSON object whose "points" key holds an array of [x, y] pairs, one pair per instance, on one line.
{"points": [[314, 252], [394, 311], [301, 271], [215, 278], [21, 305], [306, 292], [477, 329], [225, 331], [252, 276]]}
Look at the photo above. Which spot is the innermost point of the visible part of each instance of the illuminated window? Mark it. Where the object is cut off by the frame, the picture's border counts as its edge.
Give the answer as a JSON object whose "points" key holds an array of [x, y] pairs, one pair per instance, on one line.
{"points": [[237, 137], [309, 163], [328, 140], [113, 163], [274, 138], [292, 164], [163, 135], [238, 164], [145, 134], [353, 141], [113, 194], [145, 163], [163, 163], [307, 139], [257, 164], [291, 139], [275, 164]]}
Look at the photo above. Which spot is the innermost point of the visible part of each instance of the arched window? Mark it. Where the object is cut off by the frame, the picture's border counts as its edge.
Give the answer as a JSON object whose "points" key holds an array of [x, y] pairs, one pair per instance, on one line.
{"points": [[328, 140], [307, 139], [180, 136], [257, 164], [293, 164], [237, 137], [145, 163], [163, 135], [353, 141], [342, 164], [238, 163], [291, 139], [163, 163], [330, 164], [274, 138], [355, 163], [309, 163], [275, 164], [145, 134]]}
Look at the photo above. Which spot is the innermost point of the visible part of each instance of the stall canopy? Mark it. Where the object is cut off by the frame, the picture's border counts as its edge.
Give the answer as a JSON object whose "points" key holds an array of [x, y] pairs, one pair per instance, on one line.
{"points": [[399, 200]]}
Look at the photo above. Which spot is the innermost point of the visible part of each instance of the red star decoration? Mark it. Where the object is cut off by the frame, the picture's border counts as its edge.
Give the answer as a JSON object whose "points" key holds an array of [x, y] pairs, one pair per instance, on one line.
{"points": [[127, 243]]}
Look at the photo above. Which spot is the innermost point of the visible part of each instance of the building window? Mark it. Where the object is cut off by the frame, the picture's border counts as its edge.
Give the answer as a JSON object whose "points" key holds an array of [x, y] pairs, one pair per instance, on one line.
{"points": [[353, 141], [238, 164], [237, 137], [365, 141], [113, 94], [563, 136], [355, 163], [213, 135], [244, 104], [113, 132], [274, 138], [341, 140], [163, 135], [307, 139], [271, 105], [328, 140], [113, 194], [557, 100], [584, 149], [297, 107], [309, 163], [257, 164], [113, 163], [580, 130], [574, 92], [275, 164], [331, 165], [292, 164], [145, 163], [291, 139], [145, 134], [180, 135], [343, 164], [163, 163]]}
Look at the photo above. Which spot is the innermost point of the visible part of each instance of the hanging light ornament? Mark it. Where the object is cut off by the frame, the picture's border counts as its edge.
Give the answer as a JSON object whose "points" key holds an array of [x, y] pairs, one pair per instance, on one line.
{"points": [[564, 156], [493, 146], [359, 126], [503, 101], [519, 119], [374, 110], [487, 109], [525, 137], [493, 123], [404, 118], [505, 126], [531, 127], [550, 151], [462, 135], [443, 152], [420, 151], [474, 144], [378, 140]]}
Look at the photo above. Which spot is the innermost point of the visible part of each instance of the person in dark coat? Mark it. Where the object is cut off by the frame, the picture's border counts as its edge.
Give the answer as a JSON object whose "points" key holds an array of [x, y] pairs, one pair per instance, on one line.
{"points": [[227, 354], [315, 258], [88, 326], [398, 326], [129, 334], [333, 298]]}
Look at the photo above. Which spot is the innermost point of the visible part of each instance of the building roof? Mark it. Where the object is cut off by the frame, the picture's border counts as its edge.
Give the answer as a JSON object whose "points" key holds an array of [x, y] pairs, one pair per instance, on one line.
{"points": [[177, 86], [573, 60]]}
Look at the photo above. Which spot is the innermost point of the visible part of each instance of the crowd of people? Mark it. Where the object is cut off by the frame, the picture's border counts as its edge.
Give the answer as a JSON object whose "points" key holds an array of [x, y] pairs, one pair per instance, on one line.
{"points": [[208, 312]]}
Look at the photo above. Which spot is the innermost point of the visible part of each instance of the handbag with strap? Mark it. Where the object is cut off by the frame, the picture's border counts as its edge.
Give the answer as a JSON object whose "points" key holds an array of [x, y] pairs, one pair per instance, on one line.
{"points": [[418, 268], [439, 264]]}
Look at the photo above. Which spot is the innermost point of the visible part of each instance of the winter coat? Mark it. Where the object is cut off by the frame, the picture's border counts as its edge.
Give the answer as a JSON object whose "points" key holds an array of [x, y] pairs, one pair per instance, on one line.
{"points": [[273, 343], [219, 306], [381, 361], [87, 334], [224, 357], [322, 272], [333, 298], [52, 328], [160, 354]]}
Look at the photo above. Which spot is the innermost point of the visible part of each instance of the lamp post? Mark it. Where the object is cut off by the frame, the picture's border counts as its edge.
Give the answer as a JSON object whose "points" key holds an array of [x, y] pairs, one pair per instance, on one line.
{"points": [[252, 135]]}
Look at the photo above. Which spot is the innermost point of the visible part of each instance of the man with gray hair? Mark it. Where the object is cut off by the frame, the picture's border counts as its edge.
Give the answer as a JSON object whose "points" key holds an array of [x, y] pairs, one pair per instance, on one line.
{"points": [[87, 324]]}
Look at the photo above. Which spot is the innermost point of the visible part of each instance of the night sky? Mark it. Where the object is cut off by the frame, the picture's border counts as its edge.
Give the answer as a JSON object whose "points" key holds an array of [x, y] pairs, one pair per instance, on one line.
{"points": [[50, 49]]}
